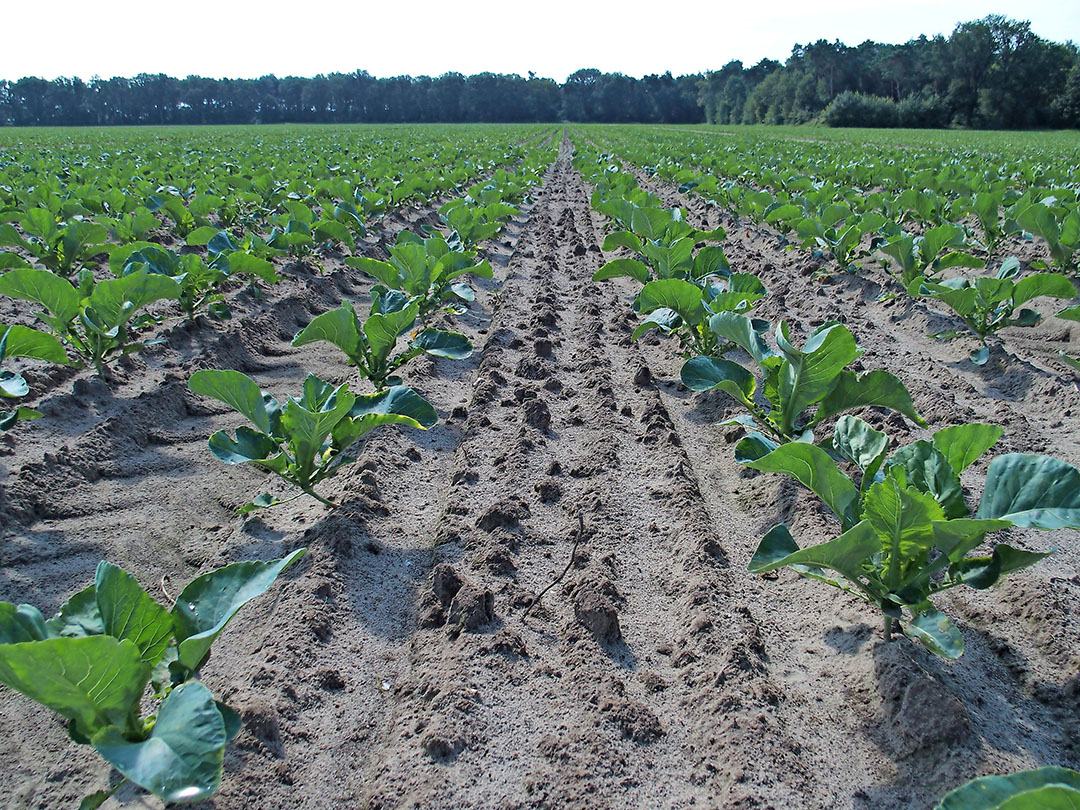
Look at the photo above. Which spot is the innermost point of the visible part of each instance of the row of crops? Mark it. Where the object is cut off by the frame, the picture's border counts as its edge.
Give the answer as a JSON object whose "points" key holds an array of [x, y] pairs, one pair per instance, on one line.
{"points": [[184, 224], [110, 248], [945, 223], [903, 530]]}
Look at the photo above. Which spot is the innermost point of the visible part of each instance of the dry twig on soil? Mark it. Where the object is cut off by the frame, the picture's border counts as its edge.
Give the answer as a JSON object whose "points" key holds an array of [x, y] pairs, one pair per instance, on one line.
{"points": [[569, 565]]}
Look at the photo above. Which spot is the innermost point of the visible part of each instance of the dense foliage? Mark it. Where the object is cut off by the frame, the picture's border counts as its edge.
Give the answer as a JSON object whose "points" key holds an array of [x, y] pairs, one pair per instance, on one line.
{"points": [[218, 215], [921, 209], [587, 95], [994, 73]]}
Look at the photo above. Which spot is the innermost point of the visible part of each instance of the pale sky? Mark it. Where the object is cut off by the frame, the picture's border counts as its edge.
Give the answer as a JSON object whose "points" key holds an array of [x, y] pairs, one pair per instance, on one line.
{"points": [[420, 37]]}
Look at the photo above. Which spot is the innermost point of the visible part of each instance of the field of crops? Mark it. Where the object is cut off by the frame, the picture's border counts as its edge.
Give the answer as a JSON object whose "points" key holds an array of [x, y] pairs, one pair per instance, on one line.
{"points": [[594, 467]]}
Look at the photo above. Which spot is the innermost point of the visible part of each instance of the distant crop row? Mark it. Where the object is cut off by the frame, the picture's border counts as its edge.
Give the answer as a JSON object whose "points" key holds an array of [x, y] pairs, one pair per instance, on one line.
{"points": [[183, 224]]}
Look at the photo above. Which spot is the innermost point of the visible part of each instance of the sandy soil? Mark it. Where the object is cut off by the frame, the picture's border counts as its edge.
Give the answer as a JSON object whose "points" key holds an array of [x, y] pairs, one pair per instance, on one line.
{"points": [[396, 668]]}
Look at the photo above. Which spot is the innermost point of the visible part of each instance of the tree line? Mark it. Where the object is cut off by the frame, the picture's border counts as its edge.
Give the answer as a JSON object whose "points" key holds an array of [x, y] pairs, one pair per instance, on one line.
{"points": [[586, 96], [992, 73], [989, 73]]}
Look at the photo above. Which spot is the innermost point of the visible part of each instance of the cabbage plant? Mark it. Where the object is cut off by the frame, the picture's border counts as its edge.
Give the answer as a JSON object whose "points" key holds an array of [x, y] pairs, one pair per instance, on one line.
{"points": [[97, 320], [924, 257], [200, 283], [369, 344], [906, 530], [682, 309], [308, 438], [57, 246], [799, 388], [95, 660], [840, 232], [1057, 223], [426, 269], [987, 304]]}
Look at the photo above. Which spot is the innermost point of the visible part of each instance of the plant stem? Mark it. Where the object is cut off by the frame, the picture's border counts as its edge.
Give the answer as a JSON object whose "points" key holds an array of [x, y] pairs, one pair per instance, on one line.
{"points": [[320, 498], [888, 628]]}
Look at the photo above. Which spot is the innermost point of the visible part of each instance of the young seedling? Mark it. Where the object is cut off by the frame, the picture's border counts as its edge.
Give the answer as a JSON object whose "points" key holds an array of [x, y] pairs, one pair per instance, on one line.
{"points": [[424, 269], [131, 226], [840, 232], [986, 205], [987, 304], [93, 661], [247, 257], [96, 321], [57, 247], [470, 224], [309, 438], [922, 258], [302, 233], [682, 309], [906, 531], [794, 380], [21, 341], [1058, 225], [200, 283], [368, 345], [665, 243], [171, 204], [295, 238]]}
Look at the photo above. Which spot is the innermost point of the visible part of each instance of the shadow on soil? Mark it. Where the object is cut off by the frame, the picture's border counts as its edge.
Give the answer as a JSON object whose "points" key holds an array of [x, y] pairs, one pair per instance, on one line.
{"points": [[939, 728]]}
